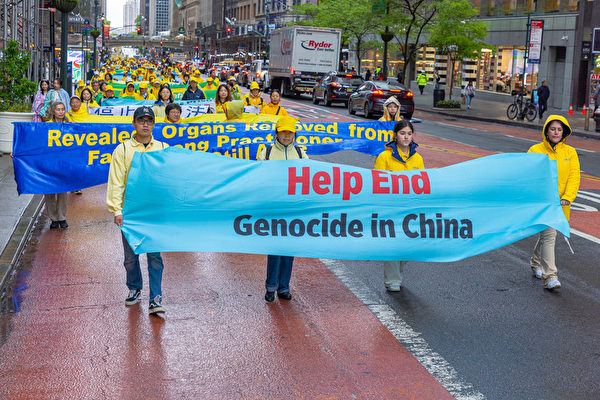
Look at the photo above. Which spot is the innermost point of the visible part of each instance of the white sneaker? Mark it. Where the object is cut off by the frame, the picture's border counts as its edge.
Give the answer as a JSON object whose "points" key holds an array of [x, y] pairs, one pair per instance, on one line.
{"points": [[553, 284], [393, 288], [538, 273]]}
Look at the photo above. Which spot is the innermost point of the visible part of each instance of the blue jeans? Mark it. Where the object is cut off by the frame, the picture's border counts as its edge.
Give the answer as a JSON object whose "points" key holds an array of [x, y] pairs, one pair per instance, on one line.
{"points": [[279, 273], [134, 272], [469, 97]]}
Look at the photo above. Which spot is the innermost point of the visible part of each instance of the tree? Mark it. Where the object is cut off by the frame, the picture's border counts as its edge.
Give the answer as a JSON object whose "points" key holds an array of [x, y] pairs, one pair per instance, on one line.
{"points": [[408, 20], [14, 85], [456, 33], [355, 18], [138, 21]]}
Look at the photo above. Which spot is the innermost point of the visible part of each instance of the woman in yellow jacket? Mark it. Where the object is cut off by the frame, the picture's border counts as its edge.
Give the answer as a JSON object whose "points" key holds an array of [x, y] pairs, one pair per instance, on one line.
{"points": [[273, 107], [399, 155], [391, 110], [253, 98], [555, 132], [129, 91]]}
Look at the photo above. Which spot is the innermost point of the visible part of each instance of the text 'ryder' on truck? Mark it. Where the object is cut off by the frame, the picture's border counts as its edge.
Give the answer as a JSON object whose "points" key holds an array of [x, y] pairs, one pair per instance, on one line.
{"points": [[301, 56]]}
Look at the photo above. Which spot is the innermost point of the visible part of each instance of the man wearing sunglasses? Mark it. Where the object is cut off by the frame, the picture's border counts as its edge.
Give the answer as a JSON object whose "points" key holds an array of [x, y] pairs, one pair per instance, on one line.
{"points": [[141, 142]]}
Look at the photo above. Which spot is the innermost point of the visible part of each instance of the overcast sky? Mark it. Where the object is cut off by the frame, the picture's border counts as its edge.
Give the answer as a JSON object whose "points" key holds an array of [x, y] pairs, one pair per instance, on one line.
{"points": [[115, 12]]}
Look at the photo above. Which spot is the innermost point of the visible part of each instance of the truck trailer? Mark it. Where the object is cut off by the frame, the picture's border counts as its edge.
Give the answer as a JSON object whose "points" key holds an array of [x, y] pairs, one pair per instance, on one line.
{"points": [[300, 56]]}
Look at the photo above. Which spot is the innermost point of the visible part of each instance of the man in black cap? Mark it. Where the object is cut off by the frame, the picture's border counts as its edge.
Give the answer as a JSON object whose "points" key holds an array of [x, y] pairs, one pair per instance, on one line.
{"points": [[141, 142]]}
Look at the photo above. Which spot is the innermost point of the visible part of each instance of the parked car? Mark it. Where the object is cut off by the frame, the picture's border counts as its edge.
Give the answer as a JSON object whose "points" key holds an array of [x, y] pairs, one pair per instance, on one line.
{"points": [[369, 99], [336, 87]]}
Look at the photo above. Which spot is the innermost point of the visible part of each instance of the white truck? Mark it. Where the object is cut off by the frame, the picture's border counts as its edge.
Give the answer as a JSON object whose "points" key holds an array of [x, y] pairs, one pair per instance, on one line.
{"points": [[300, 56]]}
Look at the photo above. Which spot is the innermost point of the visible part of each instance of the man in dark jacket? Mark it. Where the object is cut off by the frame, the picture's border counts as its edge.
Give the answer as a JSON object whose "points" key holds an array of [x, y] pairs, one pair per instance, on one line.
{"points": [[543, 95], [193, 92]]}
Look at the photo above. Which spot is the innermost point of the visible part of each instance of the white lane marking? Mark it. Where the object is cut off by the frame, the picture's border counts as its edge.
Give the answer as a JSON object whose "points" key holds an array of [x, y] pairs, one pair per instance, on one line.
{"points": [[589, 195], [434, 363], [321, 110], [585, 236]]}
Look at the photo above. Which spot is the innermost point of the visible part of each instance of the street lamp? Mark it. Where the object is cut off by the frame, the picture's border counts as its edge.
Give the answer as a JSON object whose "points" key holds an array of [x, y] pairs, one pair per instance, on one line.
{"points": [[65, 7]]}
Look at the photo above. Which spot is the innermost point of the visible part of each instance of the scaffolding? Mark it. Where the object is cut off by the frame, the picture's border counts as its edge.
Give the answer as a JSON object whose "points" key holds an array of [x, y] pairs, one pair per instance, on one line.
{"points": [[26, 22]]}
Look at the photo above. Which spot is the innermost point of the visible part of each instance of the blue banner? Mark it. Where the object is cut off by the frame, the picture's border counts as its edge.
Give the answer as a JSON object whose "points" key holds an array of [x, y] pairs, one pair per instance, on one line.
{"points": [[178, 200], [56, 158]]}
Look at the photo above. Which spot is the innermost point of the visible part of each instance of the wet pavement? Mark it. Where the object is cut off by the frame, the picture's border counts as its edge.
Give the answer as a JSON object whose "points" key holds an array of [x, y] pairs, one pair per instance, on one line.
{"points": [[72, 336]]}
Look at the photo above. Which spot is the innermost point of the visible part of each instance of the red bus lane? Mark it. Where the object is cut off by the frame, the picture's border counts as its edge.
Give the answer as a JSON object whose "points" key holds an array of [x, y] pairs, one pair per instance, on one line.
{"points": [[73, 336]]}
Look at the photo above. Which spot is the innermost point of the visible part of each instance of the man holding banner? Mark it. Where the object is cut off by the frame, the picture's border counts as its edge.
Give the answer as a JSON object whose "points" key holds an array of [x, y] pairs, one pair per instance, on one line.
{"points": [[120, 165]]}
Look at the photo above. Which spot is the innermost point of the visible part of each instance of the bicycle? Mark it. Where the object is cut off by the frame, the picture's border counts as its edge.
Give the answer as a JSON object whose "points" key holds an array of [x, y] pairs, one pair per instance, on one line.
{"points": [[517, 109]]}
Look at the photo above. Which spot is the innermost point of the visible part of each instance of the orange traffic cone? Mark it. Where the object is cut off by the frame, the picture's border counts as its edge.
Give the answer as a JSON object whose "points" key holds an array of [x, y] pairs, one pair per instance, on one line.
{"points": [[570, 110], [584, 109]]}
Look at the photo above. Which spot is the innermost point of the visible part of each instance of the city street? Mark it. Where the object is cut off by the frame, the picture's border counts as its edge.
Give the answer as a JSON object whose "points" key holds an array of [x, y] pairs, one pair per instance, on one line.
{"points": [[480, 328]]}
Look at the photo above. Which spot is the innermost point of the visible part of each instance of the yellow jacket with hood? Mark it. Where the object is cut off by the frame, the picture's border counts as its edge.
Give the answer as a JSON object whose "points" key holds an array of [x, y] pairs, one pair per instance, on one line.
{"points": [[281, 152], [120, 165], [567, 162], [394, 159], [386, 114]]}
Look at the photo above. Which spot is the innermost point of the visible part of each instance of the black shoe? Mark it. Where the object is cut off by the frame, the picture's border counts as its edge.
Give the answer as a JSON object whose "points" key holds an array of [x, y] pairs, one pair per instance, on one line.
{"points": [[285, 296], [156, 306], [63, 224], [269, 296], [133, 297], [54, 225]]}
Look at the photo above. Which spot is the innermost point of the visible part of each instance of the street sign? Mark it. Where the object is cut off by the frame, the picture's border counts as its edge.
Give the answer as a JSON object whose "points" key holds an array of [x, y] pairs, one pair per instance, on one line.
{"points": [[595, 77], [535, 41]]}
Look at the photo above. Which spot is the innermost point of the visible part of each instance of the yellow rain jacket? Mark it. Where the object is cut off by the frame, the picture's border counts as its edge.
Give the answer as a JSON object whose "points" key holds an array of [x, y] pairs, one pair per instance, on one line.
{"points": [[394, 159], [234, 112], [120, 165], [386, 114], [567, 162], [250, 100], [273, 109], [281, 152]]}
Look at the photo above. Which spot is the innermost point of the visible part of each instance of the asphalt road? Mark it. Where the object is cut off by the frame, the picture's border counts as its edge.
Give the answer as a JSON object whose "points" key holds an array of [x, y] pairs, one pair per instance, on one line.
{"points": [[483, 327], [486, 318]]}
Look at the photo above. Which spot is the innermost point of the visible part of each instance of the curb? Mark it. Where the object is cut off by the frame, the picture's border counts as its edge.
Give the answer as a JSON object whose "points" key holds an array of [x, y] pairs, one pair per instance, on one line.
{"points": [[19, 239], [575, 132]]}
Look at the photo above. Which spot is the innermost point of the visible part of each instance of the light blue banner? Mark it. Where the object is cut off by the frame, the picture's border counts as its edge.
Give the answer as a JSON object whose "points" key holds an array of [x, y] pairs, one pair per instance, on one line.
{"points": [[178, 200]]}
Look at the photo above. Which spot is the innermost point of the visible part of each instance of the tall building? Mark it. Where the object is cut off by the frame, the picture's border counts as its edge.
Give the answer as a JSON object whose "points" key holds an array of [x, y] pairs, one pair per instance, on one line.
{"points": [[130, 13], [159, 16]]}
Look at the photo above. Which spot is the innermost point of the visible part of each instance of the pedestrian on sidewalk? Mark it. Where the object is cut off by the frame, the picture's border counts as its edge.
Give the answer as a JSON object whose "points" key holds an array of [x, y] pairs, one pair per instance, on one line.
{"points": [[469, 93], [56, 203], [399, 155], [543, 93], [368, 75], [120, 165], [422, 81], [436, 78], [39, 99], [555, 132], [56, 94], [597, 105], [279, 268]]}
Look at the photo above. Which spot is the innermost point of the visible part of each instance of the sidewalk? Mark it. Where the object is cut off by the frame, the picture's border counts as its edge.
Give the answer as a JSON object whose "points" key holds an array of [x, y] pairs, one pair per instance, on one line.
{"points": [[17, 217], [494, 111]]}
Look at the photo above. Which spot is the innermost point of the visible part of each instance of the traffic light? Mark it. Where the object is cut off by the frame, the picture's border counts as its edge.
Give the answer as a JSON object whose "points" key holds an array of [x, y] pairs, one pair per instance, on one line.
{"points": [[139, 30], [161, 42], [228, 29], [197, 47]]}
